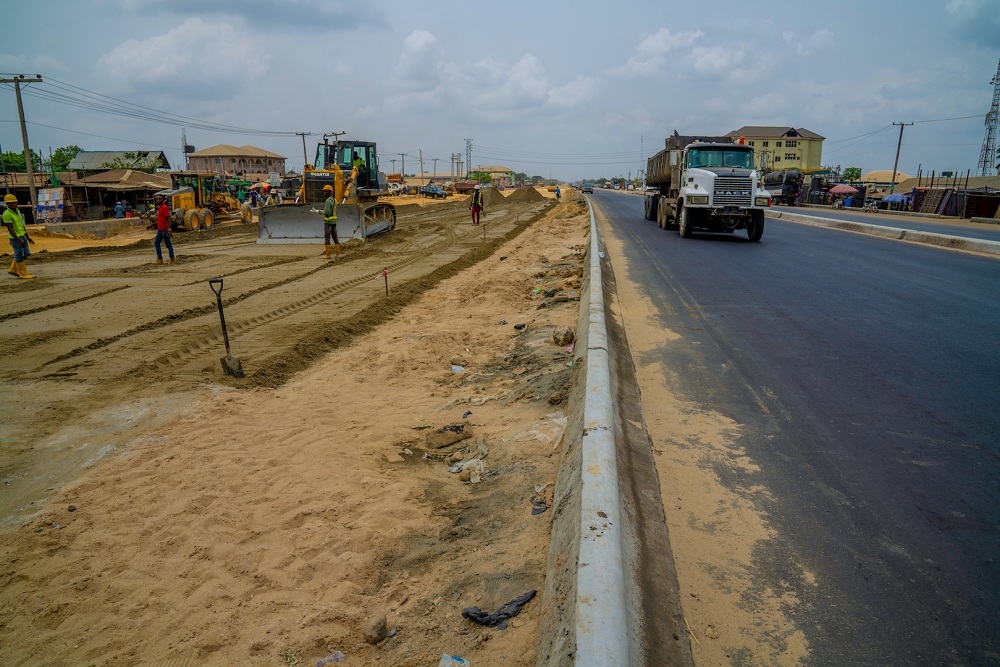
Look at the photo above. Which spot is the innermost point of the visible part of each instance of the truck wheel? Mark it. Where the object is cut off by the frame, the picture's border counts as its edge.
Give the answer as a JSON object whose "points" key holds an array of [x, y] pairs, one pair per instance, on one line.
{"points": [[683, 223], [207, 219], [755, 229], [191, 221], [245, 216]]}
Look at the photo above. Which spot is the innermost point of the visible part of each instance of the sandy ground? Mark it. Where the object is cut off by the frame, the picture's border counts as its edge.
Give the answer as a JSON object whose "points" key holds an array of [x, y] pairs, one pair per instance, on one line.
{"points": [[155, 511]]}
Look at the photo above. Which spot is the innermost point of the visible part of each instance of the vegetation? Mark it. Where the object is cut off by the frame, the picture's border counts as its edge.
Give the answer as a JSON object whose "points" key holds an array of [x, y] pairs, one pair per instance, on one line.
{"points": [[852, 174], [135, 160], [480, 176], [15, 161]]}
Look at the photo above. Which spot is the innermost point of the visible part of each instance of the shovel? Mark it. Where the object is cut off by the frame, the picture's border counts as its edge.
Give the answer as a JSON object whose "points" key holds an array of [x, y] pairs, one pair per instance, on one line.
{"points": [[230, 364]]}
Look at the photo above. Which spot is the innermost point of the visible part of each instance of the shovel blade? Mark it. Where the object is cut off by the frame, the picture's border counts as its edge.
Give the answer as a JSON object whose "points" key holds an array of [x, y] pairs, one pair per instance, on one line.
{"points": [[232, 366]]}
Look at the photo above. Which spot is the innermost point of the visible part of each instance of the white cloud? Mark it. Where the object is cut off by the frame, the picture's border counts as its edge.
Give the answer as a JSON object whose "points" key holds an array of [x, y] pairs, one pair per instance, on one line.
{"points": [[573, 94], [650, 53], [818, 40], [197, 58]]}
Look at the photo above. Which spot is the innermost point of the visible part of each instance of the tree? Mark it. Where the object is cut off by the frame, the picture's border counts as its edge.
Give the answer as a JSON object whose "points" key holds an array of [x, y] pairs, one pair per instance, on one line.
{"points": [[61, 157], [135, 160], [480, 176], [15, 161], [852, 174]]}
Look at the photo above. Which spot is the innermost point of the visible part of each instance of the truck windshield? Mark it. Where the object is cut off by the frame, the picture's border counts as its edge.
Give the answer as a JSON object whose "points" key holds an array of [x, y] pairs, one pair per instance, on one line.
{"points": [[720, 157]]}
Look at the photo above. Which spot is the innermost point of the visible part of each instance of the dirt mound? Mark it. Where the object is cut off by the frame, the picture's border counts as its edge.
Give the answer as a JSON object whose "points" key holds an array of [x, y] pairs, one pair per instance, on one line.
{"points": [[525, 196], [492, 196]]}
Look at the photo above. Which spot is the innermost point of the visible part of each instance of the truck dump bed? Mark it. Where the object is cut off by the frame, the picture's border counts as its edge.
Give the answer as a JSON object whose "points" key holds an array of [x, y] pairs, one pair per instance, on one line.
{"points": [[658, 166]]}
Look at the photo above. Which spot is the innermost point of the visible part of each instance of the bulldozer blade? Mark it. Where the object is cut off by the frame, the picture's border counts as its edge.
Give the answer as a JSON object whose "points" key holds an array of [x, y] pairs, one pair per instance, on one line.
{"points": [[231, 366], [296, 223]]}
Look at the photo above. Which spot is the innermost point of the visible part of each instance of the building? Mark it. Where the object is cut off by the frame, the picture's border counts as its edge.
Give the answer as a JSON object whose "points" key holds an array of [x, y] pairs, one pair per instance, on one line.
{"points": [[248, 161], [86, 163], [502, 176], [879, 181], [783, 147]]}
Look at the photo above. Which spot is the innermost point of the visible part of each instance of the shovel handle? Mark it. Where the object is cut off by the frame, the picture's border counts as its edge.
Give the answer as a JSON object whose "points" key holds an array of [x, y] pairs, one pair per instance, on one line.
{"points": [[212, 282]]}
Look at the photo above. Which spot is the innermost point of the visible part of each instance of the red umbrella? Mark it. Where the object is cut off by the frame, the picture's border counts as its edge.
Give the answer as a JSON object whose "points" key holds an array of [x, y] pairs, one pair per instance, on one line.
{"points": [[843, 190]]}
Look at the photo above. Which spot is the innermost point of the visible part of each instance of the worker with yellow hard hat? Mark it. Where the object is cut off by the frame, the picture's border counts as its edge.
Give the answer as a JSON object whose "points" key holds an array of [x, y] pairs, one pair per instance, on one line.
{"points": [[330, 223], [19, 239]]}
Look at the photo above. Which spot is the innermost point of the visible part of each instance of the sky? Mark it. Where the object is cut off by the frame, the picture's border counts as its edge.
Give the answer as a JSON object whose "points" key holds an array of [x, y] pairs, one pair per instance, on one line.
{"points": [[565, 90]]}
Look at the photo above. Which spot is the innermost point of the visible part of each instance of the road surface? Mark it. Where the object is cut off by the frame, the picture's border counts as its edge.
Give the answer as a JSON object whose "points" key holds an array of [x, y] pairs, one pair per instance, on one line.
{"points": [[860, 378]]}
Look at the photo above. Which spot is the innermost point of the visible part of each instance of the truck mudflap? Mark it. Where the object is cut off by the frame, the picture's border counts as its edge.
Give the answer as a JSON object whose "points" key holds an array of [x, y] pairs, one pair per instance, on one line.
{"points": [[296, 223]]}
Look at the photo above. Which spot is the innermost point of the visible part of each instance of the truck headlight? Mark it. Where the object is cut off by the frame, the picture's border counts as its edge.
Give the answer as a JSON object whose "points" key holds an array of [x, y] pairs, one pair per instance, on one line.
{"points": [[761, 201], [698, 199]]}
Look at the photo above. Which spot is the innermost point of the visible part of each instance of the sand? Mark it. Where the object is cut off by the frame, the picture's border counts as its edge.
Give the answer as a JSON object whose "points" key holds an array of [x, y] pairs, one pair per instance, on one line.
{"points": [[156, 511]]}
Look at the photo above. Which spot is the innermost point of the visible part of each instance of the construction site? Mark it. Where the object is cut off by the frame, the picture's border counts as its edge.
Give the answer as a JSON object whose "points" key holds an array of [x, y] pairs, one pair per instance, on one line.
{"points": [[311, 509]]}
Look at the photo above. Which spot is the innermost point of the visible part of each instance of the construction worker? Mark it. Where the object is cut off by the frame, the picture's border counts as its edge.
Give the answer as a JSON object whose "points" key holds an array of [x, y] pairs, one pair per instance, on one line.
{"points": [[330, 224], [162, 225], [19, 239], [477, 205]]}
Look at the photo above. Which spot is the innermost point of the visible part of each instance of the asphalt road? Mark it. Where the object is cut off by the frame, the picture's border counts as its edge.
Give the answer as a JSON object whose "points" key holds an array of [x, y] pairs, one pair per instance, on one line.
{"points": [[952, 227], [876, 362]]}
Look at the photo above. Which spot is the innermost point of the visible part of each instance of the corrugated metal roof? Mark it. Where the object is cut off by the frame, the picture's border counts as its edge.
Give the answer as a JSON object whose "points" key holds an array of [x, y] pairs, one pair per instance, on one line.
{"points": [[93, 160], [127, 178], [776, 132], [883, 176], [226, 150]]}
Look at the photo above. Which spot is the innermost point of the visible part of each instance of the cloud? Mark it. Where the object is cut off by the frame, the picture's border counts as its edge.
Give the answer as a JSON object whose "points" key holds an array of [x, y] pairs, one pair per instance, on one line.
{"points": [[819, 40], [39, 64], [491, 89], [267, 15], [976, 20], [650, 53], [195, 60]]}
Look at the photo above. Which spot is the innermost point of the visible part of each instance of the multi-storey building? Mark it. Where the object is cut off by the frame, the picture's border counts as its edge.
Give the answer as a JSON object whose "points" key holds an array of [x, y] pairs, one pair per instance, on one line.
{"points": [[783, 147]]}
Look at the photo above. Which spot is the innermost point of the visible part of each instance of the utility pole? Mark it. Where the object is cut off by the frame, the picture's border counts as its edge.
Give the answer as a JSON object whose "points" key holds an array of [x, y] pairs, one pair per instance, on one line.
{"points": [[402, 165], [435, 170], [468, 155], [421, 152], [393, 161], [895, 166], [17, 81], [305, 156]]}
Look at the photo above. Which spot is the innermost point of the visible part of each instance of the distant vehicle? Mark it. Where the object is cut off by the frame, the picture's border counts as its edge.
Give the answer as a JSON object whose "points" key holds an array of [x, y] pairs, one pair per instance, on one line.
{"points": [[783, 185], [587, 188], [395, 188], [434, 191]]}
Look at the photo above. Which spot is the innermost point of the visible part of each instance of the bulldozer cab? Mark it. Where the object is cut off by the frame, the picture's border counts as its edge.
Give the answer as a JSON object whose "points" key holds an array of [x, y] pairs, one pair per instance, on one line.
{"points": [[346, 154]]}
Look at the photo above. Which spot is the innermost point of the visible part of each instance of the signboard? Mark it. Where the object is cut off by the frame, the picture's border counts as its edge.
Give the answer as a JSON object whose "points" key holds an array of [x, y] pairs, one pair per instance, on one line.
{"points": [[50, 205]]}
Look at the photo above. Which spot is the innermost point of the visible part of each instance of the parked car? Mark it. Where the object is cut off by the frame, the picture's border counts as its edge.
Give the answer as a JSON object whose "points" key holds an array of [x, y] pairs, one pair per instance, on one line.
{"points": [[587, 188], [434, 191]]}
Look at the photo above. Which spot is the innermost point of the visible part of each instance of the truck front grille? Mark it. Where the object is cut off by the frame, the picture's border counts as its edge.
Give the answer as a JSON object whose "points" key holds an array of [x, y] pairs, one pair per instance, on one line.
{"points": [[732, 192]]}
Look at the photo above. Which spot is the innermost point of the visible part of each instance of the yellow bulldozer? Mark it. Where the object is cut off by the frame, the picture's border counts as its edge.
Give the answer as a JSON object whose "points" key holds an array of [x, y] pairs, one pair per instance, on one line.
{"points": [[351, 168], [197, 199]]}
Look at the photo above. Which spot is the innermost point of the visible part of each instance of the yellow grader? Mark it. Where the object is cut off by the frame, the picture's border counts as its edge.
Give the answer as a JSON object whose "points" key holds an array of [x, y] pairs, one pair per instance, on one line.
{"points": [[197, 199]]}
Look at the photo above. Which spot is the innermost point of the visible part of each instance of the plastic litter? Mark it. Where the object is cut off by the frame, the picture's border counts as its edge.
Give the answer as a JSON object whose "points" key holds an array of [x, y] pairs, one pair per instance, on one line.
{"points": [[500, 618], [538, 505], [453, 661], [336, 656], [466, 414], [457, 369]]}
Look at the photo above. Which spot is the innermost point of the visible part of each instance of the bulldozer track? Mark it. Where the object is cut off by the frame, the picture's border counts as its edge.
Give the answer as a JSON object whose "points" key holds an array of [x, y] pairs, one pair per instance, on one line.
{"points": [[144, 352], [61, 304]]}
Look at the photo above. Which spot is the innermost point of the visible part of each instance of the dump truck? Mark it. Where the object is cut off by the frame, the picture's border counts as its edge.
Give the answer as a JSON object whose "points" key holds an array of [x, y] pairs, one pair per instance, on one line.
{"points": [[351, 168], [197, 199], [784, 186], [705, 183]]}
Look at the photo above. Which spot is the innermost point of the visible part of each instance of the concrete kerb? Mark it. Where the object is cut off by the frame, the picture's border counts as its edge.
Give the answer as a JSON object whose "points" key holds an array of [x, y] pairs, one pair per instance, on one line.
{"points": [[942, 240], [586, 623]]}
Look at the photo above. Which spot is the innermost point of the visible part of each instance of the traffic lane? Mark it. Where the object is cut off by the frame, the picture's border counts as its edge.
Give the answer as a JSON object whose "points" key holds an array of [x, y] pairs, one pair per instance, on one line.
{"points": [[964, 228], [878, 443]]}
